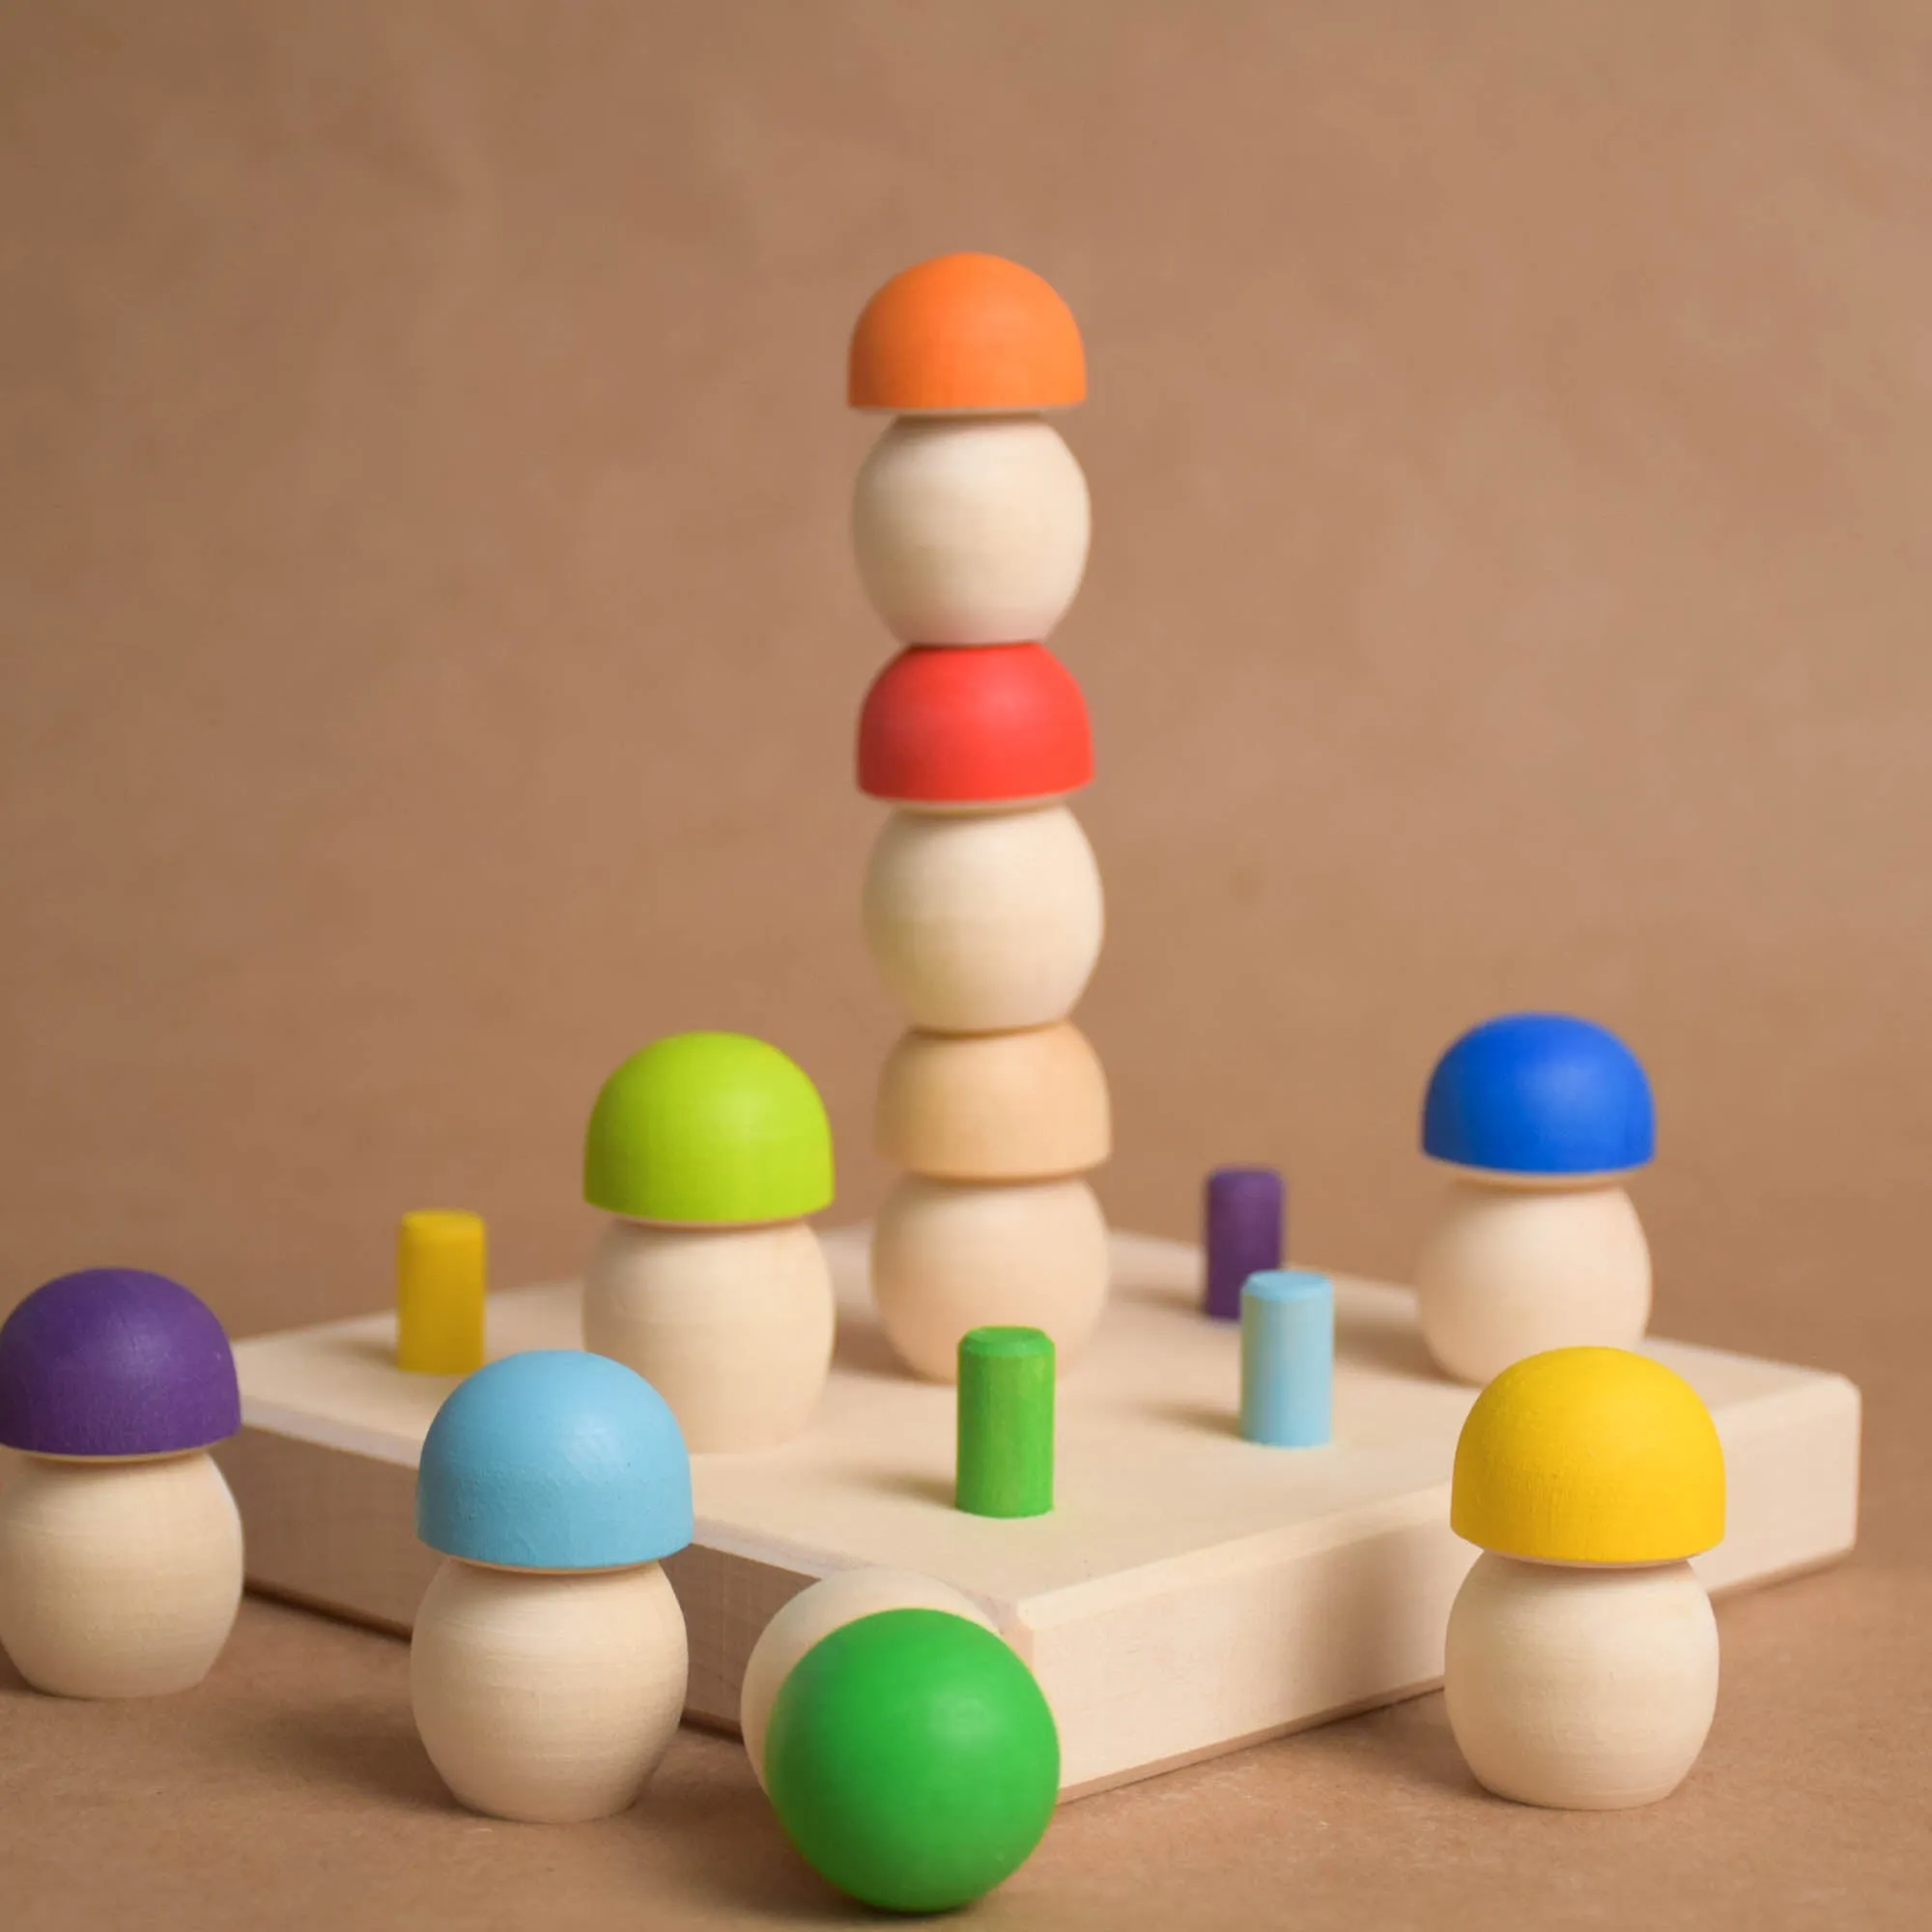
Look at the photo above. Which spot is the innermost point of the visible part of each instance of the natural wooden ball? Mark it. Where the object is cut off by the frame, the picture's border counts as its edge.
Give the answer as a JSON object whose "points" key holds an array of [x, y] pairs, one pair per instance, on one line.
{"points": [[812, 1615], [948, 1257], [543, 1697], [987, 923], [1508, 1270], [971, 531], [1581, 1688], [733, 1326]]}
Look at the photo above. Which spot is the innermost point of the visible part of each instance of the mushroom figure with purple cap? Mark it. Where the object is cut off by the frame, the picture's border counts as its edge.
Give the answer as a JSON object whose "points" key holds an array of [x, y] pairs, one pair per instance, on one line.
{"points": [[120, 1544]]}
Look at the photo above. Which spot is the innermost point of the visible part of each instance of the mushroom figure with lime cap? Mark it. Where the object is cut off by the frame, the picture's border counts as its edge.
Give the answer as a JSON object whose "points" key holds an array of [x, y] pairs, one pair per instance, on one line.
{"points": [[1535, 1245], [120, 1544], [549, 1661], [1580, 1668], [710, 1149]]}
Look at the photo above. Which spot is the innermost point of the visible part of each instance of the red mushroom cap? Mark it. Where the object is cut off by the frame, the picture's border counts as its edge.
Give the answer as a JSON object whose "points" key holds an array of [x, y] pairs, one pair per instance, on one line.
{"points": [[974, 726]]}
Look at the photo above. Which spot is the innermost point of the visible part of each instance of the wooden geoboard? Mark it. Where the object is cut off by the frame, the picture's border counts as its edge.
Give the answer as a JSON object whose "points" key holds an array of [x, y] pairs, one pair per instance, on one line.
{"points": [[1190, 1593]]}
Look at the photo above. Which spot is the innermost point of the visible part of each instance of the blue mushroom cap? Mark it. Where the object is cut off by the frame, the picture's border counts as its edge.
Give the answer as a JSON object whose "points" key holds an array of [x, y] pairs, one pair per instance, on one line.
{"points": [[555, 1459], [1540, 1094]]}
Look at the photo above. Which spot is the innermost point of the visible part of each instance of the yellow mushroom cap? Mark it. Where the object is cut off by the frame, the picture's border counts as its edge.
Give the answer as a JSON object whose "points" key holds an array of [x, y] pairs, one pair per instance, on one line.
{"points": [[1589, 1456]]}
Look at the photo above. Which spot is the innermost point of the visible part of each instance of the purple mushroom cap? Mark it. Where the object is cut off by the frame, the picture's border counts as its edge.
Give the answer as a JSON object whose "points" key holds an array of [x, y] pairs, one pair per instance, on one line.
{"points": [[115, 1362]]}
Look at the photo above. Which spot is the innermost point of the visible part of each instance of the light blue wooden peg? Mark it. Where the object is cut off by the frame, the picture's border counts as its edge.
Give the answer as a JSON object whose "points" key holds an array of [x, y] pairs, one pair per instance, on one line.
{"points": [[1288, 1358]]}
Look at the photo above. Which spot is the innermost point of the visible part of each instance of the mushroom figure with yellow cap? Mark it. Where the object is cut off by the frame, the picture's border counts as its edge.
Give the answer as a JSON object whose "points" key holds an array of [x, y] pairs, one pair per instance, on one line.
{"points": [[1535, 1244], [1581, 1671], [548, 1662], [710, 1149]]}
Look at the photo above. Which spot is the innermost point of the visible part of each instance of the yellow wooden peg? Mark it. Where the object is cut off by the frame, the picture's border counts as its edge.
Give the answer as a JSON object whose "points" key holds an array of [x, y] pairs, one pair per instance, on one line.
{"points": [[441, 1280]]}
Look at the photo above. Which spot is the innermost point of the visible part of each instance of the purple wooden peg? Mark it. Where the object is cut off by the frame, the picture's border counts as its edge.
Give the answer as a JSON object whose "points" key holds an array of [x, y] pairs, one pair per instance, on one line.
{"points": [[1245, 1210]]}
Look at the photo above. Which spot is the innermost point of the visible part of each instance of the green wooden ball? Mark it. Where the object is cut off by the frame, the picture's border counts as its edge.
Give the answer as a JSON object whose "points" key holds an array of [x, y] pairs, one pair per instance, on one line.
{"points": [[912, 1760]]}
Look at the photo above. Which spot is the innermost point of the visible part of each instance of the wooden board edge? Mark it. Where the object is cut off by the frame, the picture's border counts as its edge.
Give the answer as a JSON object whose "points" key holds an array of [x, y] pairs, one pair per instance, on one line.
{"points": [[1207, 1753]]}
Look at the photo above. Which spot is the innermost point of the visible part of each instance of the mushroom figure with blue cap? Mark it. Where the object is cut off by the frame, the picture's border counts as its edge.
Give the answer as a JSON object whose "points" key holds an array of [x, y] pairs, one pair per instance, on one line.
{"points": [[1535, 1245], [549, 1661]]}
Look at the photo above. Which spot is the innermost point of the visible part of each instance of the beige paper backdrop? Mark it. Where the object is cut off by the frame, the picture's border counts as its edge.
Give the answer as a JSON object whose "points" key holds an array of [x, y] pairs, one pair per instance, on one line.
{"points": [[432, 652]]}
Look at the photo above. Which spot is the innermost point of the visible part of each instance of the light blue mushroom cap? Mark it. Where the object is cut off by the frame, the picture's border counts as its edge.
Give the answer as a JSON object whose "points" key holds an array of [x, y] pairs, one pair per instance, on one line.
{"points": [[555, 1459], [1540, 1094]]}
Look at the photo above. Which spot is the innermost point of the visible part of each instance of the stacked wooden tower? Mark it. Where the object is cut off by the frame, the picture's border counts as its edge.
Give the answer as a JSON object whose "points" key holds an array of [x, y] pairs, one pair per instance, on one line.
{"points": [[982, 904]]}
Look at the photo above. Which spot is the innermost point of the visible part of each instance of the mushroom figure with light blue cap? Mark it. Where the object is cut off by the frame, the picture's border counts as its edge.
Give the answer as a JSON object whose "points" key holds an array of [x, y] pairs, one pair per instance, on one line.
{"points": [[1539, 1116], [549, 1661]]}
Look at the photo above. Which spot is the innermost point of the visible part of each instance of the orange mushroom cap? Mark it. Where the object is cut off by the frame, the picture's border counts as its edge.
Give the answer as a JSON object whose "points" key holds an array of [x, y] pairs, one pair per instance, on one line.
{"points": [[966, 332]]}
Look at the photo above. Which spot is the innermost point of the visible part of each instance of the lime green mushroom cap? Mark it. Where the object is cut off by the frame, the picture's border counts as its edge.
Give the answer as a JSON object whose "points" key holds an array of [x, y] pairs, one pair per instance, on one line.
{"points": [[708, 1126]]}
